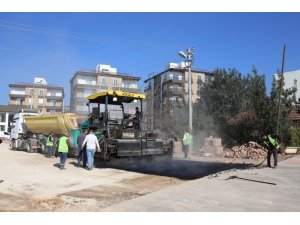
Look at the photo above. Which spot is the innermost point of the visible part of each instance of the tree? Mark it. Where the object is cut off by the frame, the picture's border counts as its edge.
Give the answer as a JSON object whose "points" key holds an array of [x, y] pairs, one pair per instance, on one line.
{"points": [[238, 109], [220, 100], [288, 99]]}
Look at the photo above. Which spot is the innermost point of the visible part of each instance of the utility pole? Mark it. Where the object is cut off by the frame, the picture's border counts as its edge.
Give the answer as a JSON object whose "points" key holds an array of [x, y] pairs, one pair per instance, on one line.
{"points": [[280, 90], [189, 59]]}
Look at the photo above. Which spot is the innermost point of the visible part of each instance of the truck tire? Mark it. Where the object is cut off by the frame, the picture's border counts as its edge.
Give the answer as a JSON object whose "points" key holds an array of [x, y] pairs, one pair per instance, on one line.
{"points": [[12, 145], [28, 147], [43, 149]]}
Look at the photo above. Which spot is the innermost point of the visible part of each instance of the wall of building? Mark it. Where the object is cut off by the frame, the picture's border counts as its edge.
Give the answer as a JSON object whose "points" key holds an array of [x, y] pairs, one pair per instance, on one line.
{"points": [[292, 79]]}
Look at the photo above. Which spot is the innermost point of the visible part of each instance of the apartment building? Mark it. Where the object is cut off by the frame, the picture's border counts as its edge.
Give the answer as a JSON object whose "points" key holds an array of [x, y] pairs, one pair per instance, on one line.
{"points": [[169, 89], [85, 83], [37, 95], [291, 80]]}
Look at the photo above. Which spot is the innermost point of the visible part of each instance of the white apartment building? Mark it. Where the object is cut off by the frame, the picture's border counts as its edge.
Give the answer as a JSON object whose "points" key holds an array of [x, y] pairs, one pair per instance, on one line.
{"points": [[85, 83], [292, 79]]}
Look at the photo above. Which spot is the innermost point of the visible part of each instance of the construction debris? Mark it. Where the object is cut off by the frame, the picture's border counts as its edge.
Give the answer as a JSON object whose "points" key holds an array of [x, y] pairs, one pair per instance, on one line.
{"points": [[250, 150], [213, 146]]}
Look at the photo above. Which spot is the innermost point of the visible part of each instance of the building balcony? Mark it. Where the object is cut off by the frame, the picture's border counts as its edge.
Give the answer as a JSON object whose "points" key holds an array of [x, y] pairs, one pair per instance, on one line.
{"points": [[17, 95], [54, 97], [92, 86], [173, 104], [133, 90], [117, 88], [19, 105], [174, 91], [56, 107], [174, 81], [103, 87]]}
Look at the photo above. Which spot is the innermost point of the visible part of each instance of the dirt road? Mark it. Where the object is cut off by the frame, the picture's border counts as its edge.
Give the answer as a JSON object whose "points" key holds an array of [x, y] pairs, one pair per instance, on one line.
{"points": [[31, 182]]}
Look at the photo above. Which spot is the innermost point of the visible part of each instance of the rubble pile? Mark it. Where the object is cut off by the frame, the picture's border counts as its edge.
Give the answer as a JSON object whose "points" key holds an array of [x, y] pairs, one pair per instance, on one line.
{"points": [[251, 150]]}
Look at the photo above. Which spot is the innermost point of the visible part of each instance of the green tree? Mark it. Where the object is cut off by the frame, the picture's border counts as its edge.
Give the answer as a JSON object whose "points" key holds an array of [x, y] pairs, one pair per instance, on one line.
{"points": [[221, 99], [238, 109], [288, 99]]}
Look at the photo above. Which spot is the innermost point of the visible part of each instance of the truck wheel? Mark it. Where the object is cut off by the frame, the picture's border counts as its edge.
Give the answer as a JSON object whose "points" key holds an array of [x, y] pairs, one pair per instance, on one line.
{"points": [[28, 147], [43, 149], [12, 145]]}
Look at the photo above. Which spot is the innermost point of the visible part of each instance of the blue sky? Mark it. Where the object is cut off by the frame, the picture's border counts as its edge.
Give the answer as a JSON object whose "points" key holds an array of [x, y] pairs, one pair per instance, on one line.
{"points": [[55, 45]]}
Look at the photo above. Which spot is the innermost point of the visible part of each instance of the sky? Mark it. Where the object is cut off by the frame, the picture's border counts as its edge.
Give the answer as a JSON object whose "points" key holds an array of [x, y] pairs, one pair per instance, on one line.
{"points": [[56, 45]]}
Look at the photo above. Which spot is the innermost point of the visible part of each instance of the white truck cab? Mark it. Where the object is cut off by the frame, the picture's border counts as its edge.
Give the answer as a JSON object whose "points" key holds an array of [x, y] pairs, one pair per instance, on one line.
{"points": [[18, 126]]}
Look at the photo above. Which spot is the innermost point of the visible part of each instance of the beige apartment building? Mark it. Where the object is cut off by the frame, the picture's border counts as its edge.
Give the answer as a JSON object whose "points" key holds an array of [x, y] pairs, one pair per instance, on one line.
{"points": [[38, 95], [169, 89], [85, 83]]}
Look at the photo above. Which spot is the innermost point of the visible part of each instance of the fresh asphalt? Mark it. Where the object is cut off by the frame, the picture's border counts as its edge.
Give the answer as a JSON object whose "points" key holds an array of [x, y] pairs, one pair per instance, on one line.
{"points": [[243, 190]]}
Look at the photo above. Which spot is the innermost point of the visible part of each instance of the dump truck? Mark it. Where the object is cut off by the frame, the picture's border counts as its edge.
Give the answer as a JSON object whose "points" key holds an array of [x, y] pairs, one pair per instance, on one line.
{"points": [[119, 135], [29, 130]]}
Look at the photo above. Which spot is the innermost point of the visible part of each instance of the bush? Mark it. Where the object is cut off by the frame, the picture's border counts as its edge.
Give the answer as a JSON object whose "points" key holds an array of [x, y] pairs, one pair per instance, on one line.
{"points": [[294, 137]]}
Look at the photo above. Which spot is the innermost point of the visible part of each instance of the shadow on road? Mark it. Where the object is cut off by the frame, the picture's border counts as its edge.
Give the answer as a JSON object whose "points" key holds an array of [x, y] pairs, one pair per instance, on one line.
{"points": [[178, 168]]}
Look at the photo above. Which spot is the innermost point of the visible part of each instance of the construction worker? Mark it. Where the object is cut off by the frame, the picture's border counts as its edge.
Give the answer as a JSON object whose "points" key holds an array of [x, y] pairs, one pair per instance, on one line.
{"points": [[50, 145], [92, 145], [63, 149], [81, 149], [186, 143], [270, 142]]}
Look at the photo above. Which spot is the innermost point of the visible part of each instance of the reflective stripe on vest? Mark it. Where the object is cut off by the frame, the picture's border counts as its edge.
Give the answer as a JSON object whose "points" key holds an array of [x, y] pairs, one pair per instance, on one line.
{"points": [[49, 143], [273, 142], [63, 146], [187, 139], [266, 144]]}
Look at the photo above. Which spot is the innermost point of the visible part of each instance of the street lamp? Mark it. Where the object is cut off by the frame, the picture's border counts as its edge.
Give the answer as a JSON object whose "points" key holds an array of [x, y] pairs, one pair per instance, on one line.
{"points": [[189, 57]]}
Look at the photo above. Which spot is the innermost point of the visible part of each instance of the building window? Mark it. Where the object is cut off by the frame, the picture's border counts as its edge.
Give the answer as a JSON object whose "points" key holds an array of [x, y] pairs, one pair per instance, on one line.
{"points": [[41, 102], [103, 81], [87, 93], [2, 128], [52, 103], [199, 90], [2, 117], [175, 88], [129, 84], [115, 83], [88, 80], [19, 101], [31, 92], [208, 79], [17, 91], [30, 101], [54, 93], [41, 92]]}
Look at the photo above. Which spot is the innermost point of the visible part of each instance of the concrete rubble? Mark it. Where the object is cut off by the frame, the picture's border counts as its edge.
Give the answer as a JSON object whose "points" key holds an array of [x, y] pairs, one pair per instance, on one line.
{"points": [[250, 150]]}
